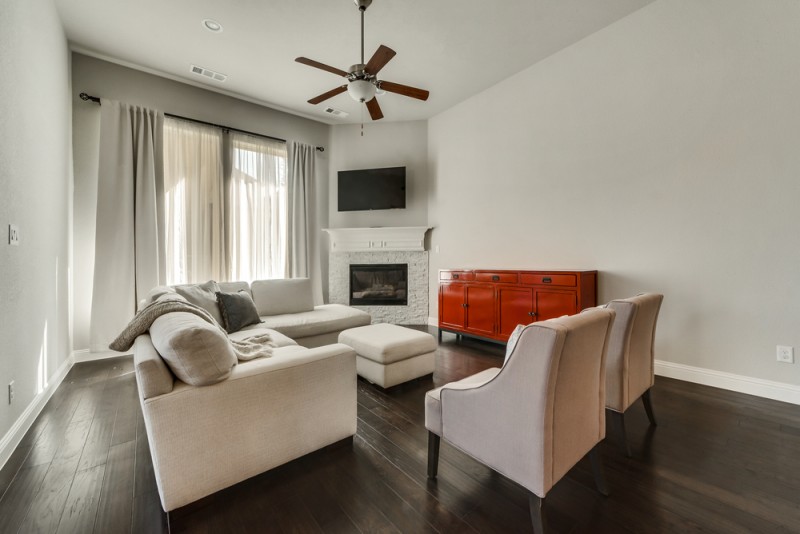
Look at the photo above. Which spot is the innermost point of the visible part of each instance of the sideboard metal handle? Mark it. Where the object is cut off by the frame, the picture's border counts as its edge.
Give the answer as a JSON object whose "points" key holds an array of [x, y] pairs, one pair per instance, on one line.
{"points": [[455, 277], [547, 280], [495, 278]]}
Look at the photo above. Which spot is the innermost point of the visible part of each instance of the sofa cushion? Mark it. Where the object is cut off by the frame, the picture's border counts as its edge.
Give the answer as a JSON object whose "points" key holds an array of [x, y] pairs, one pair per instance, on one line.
{"points": [[237, 310], [282, 295], [203, 295], [321, 320], [257, 330], [433, 398], [196, 351]]}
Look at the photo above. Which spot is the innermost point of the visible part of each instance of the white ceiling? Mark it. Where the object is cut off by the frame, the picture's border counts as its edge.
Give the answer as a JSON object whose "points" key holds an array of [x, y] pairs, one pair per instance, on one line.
{"points": [[453, 48]]}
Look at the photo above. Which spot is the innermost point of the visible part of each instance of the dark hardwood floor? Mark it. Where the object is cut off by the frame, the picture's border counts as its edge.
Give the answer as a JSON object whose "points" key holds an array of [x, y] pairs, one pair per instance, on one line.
{"points": [[718, 462]]}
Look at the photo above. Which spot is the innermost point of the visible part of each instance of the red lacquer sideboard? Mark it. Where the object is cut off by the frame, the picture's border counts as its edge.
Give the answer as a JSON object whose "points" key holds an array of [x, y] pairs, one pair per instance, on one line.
{"points": [[489, 304]]}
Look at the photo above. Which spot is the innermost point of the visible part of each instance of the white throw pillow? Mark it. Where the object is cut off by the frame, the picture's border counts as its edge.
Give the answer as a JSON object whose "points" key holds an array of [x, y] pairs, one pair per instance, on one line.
{"points": [[282, 295]]}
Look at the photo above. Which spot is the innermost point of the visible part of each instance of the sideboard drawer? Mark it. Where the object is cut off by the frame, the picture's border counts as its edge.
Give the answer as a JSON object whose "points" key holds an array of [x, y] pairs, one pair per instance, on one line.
{"points": [[563, 280], [457, 275], [505, 278]]}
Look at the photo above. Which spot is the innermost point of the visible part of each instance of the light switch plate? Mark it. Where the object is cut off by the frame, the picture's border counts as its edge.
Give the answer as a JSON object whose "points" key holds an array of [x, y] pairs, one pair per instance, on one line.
{"points": [[13, 234]]}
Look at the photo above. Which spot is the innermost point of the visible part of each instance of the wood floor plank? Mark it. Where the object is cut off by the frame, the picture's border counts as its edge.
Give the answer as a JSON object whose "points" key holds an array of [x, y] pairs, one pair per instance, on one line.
{"points": [[15, 503], [115, 510], [48, 504], [80, 509]]}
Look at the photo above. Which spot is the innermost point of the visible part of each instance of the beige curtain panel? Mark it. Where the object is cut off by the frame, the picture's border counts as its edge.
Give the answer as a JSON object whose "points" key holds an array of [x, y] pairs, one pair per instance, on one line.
{"points": [[129, 244]]}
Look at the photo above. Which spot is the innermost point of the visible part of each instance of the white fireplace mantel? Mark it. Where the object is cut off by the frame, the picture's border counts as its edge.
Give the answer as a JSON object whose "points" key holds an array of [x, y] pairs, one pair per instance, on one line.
{"points": [[377, 239]]}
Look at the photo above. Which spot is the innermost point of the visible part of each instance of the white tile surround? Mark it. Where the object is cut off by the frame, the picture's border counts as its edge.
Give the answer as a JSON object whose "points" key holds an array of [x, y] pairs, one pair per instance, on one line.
{"points": [[380, 246], [416, 312]]}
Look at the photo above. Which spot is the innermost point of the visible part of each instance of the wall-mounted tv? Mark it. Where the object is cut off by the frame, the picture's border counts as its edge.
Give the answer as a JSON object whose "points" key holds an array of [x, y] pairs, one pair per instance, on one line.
{"points": [[372, 189]]}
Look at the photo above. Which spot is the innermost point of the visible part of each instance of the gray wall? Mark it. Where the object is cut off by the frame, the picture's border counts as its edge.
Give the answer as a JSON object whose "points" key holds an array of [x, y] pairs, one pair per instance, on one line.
{"points": [[35, 194], [663, 151], [384, 144], [108, 80]]}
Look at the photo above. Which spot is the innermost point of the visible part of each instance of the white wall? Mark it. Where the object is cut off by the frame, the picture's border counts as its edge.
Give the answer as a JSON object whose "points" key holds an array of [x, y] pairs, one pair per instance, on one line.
{"points": [[108, 80], [663, 151], [35, 194], [384, 144]]}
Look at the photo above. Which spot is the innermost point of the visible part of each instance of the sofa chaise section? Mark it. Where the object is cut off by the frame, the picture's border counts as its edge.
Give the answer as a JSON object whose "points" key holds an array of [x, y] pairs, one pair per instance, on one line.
{"points": [[269, 411]]}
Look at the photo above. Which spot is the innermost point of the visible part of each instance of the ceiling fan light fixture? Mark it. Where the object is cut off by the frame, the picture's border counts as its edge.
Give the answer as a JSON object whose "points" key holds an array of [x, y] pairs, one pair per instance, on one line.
{"points": [[361, 90]]}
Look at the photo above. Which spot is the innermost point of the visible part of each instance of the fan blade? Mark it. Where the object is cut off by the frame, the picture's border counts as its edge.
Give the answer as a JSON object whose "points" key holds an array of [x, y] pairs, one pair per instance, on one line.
{"points": [[379, 59], [405, 90], [374, 109], [329, 94], [318, 65]]}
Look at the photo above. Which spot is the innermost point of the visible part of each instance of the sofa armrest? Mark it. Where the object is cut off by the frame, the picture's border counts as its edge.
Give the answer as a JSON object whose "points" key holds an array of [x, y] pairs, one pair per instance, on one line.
{"points": [[152, 374], [268, 412]]}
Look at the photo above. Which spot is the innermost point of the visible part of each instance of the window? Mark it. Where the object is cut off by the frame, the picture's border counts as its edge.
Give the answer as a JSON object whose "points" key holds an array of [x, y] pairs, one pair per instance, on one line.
{"points": [[258, 203], [225, 204]]}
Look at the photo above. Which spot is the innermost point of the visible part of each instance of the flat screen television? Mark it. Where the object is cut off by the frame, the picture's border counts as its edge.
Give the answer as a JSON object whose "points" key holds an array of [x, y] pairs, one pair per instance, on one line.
{"points": [[372, 189]]}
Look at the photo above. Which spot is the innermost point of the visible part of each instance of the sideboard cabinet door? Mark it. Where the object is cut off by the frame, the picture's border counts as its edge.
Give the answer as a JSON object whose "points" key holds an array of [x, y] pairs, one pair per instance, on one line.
{"points": [[550, 303], [452, 305], [480, 309], [514, 306]]}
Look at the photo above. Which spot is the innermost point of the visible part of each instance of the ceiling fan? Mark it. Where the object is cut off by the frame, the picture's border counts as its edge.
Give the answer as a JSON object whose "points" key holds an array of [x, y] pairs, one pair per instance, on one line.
{"points": [[362, 79]]}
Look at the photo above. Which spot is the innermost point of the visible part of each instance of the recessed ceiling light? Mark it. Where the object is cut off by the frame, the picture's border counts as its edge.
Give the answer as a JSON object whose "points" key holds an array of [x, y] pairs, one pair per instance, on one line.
{"points": [[212, 25]]}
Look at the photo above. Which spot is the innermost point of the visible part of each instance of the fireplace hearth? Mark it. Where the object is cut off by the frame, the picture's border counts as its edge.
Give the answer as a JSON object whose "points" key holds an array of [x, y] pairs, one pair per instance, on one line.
{"points": [[379, 284]]}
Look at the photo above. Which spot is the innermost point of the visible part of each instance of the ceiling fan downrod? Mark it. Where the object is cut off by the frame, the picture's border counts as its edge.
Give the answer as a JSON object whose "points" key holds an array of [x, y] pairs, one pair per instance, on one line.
{"points": [[362, 7]]}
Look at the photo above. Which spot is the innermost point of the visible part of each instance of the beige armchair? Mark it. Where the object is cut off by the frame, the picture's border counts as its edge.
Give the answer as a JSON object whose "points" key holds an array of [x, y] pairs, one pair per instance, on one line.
{"points": [[535, 418], [629, 367]]}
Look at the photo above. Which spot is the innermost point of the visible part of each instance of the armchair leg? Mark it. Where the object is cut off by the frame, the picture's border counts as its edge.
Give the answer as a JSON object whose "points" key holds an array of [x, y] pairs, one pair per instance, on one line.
{"points": [[619, 422], [597, 469], [648, 407], [537, 513], [433, 454]]}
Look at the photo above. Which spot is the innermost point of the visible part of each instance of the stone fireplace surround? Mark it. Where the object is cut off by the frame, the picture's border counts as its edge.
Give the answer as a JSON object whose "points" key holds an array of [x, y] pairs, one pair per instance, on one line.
{"points": [[381, 246]]}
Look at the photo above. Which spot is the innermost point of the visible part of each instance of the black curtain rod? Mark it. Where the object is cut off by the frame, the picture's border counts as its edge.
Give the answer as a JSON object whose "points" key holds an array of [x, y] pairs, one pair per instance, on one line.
{"points": [[91, 98]]}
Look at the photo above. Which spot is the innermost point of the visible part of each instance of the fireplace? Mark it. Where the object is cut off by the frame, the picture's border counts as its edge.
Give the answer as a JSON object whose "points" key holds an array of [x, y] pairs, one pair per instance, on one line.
{"points": [[379, 284]]}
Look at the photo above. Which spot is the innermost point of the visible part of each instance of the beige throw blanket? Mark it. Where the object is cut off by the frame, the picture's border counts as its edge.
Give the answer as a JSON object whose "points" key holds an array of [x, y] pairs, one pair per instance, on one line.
{"points": [[259, 346]]}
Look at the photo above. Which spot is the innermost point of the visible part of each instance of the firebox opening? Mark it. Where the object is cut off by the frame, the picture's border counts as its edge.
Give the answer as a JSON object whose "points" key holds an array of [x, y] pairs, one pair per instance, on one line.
{"points": [[379, 284]]}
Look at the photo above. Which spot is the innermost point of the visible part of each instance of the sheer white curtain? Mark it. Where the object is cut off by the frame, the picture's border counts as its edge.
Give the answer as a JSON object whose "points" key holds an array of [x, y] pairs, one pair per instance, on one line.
{"points": [[257, 207], [129, 244], [193, 202]]}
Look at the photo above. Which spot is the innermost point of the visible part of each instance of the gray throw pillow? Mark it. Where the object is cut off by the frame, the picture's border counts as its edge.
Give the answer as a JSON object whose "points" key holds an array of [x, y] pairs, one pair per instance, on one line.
{"points": [[237, 309], [203, 295]]}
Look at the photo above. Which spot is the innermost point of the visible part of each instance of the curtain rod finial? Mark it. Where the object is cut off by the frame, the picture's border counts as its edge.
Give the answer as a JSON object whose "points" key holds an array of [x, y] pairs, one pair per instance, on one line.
{"points": [[321, 148]]}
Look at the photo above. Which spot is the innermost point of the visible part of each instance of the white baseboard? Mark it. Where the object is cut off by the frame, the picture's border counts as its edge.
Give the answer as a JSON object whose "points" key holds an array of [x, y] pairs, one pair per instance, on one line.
{"points": [[433, 321], [768, 389], [86, 355], [24, 422]]}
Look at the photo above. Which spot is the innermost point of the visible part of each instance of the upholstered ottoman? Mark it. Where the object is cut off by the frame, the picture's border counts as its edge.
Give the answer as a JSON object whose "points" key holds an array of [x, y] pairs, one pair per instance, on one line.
{"points": [[389, 354]]}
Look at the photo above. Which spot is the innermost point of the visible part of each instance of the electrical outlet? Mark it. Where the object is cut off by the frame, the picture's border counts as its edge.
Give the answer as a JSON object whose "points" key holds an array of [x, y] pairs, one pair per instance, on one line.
{"points": [[785, 354], [13, 234], [11, 392]]}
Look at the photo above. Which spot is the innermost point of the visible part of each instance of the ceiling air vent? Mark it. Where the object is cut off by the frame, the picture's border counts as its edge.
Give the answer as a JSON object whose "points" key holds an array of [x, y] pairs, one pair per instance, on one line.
{"points": [[207, 73], [336, 112]]}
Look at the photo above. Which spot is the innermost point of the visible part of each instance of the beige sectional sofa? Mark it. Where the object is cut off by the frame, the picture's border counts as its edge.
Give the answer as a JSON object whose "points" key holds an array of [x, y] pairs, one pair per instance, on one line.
{"points": [[255, 415]]}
